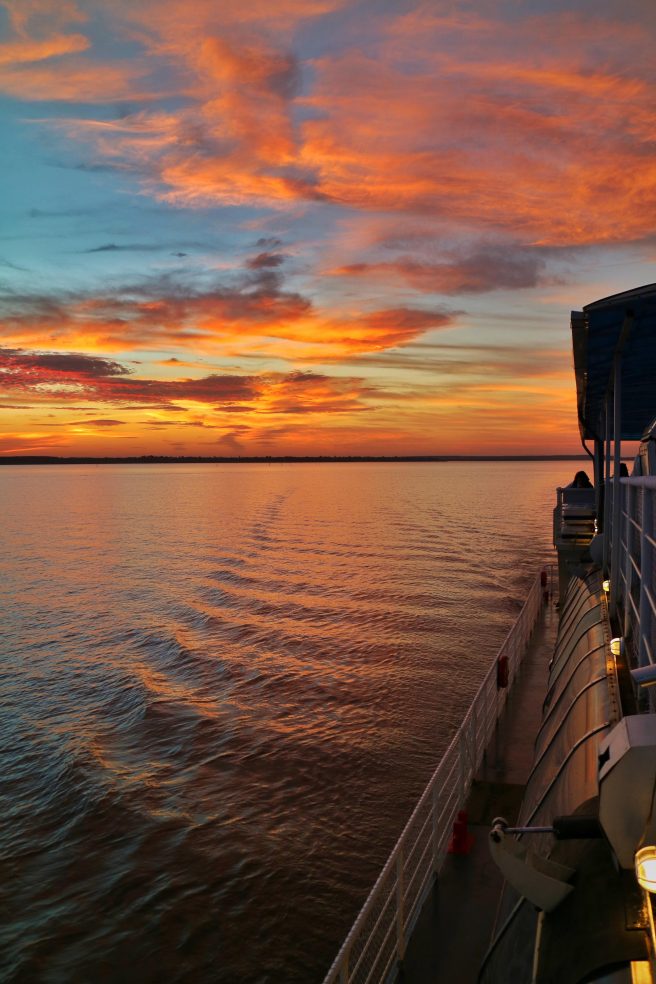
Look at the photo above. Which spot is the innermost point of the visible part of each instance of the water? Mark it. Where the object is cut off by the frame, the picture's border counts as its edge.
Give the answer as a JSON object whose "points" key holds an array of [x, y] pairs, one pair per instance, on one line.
{"points": [[224, 687]]}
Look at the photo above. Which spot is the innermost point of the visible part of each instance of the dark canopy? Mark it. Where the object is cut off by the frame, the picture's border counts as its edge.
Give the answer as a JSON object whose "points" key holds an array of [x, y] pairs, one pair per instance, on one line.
{"points": [[626, 322]]}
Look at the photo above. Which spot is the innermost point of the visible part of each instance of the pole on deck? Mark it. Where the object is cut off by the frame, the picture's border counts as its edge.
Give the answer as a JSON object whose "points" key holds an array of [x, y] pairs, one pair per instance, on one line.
{"points": [[617, 488], [607, 499]]}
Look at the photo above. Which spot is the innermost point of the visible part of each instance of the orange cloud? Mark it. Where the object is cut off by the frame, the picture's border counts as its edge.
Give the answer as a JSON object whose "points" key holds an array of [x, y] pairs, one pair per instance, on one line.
{"points": [[250, 311], [77, 81], [71, 377], [485, 125], [29, 442], [514, 148], [19, 52], [169, 24], [461, 408], [42, 15], [492, 132]]}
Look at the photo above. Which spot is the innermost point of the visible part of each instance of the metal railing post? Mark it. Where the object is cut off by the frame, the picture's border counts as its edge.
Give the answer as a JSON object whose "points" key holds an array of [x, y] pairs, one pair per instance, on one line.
{"points": [[617, 489], [400, 927], [435, 803], [487, 710], [629, 496], [462, 783], [646, 559], [607, 493], [648, 526], [475, 761], [344, 969]]}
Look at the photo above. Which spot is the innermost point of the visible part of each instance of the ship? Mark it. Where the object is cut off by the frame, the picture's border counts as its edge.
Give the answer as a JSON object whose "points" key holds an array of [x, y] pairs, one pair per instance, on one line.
{"points": [[530, 857]]}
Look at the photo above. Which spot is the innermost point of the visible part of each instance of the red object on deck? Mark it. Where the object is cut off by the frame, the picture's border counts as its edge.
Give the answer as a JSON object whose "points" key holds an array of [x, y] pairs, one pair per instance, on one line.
{"points": [[502, 673], [543, 578], [462, 840]]}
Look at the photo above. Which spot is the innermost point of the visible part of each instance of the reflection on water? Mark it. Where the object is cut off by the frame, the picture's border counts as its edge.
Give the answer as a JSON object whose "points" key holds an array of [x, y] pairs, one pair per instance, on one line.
{"points": [[224, 688]]}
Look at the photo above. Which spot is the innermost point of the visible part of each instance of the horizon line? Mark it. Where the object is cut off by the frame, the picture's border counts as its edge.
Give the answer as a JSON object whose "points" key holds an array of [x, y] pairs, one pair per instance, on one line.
{"points": [[274, 459]]}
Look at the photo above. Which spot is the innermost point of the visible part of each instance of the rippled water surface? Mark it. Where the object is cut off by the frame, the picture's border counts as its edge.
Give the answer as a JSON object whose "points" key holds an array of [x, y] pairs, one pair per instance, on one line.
{"points": [[223, 689]]}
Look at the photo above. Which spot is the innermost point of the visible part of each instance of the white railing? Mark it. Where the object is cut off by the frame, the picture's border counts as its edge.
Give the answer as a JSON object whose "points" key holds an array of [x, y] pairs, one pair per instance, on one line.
{"points": [[636, 545], [574, 514], [377, 940]]}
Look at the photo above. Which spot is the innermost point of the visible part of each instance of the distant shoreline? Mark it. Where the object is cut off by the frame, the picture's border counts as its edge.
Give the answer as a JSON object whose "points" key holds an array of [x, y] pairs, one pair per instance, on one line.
{"points": [[150, 459]]}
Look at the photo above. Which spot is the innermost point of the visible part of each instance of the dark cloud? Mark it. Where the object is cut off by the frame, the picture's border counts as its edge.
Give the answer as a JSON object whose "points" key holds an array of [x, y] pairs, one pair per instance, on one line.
{"points": [[139, 248], [102, 422], [80, 409], [268, 243], [485, 269], [231, 441], [108, 248], [87, 422], [12, 266], [169, 407], [66, 213], [492, 269], [38, 365], [93, 167], [284, 78], [265, 260], [522, 364]]}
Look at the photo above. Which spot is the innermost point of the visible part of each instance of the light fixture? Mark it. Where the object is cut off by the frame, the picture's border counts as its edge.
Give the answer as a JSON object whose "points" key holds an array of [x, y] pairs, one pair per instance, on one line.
{"points": [[617, 646], [645, 867], [606, 586]]}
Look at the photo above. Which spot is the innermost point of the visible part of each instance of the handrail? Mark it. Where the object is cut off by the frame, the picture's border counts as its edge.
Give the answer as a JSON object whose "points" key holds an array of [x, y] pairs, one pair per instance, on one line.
{"points": [[376, 941], [635, 548]]}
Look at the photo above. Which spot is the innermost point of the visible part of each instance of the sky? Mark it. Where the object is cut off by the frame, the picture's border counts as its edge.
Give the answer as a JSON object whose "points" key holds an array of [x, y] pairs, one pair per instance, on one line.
{"points": [[314, 226]]}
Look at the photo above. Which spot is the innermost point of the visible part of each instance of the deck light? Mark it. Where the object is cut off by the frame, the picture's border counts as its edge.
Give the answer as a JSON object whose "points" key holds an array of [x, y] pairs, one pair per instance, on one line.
{"points": [[617, 646], [645, 867], [606, 586]]}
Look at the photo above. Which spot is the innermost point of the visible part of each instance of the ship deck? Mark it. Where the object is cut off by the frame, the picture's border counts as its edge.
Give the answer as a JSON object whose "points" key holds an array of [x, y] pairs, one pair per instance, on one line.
{"points": [[456, 924]]}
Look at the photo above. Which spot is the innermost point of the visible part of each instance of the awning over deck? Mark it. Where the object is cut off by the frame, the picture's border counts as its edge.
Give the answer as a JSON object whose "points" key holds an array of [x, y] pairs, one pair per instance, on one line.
{"points": [[626, 322]]}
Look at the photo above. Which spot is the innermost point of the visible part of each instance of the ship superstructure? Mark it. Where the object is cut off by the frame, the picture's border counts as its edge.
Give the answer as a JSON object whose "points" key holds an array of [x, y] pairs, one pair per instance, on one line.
{"points": [[595, 754]]}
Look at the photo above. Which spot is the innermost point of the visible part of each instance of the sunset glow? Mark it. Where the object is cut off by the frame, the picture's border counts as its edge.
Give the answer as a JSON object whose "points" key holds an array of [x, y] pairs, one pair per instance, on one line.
{"points": [[317, 227]]}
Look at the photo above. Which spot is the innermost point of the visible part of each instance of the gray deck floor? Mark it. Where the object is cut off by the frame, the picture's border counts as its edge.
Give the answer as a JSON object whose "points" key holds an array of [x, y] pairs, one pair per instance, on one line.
{"points": [[455, 926]]}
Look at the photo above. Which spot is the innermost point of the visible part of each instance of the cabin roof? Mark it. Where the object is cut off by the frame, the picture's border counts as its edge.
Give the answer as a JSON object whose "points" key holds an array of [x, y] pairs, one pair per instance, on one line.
{"points": [[627, 322]]}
